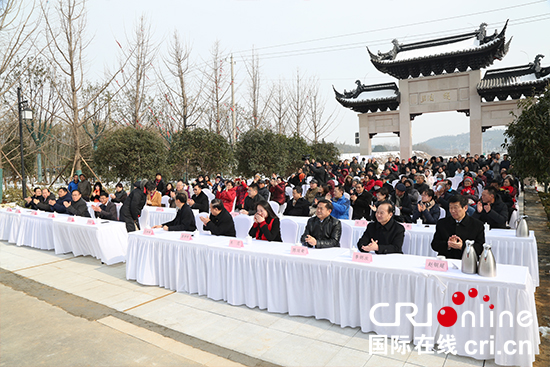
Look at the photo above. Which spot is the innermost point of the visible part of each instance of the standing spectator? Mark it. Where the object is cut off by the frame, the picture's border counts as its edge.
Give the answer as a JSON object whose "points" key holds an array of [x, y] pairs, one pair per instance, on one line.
{"points": [[134, 203], [73, 185], [241, 190], [84, 187], [228, 195], [161, 186]]}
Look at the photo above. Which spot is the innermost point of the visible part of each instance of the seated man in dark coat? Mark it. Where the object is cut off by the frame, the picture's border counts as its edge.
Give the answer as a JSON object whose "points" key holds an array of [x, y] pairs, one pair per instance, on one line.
{"points": [[297, 205], [107, 210], [32, 201], [220, 222], [77, 206], [402, 201], [384, 235], [134, 203], [253, 198], [199, 200], [443, 193], [45, 204], [58, 205], [323, 230], [452, 231], [120, 195], [491, 209], [361, 200], [184, 221]]}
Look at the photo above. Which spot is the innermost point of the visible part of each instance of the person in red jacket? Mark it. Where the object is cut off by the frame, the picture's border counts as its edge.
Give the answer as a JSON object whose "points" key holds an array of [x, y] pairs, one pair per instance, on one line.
{"points": [[228, 195], [277, 189], [241, 188]]}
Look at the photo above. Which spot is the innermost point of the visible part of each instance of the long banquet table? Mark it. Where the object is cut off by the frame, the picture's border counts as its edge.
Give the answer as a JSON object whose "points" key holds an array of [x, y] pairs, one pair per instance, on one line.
{"points": [[105, 240], [506, 247], [326, 284]]}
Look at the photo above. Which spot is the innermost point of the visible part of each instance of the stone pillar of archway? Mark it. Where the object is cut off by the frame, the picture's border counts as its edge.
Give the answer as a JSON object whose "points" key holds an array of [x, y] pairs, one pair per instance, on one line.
{"points": [[365, 147], [405, 125], [476, 133]]}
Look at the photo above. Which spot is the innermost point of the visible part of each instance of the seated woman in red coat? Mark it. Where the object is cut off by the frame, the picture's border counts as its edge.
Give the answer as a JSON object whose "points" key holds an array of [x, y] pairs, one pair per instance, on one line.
{"points": [[227, 195], [266, 223]]}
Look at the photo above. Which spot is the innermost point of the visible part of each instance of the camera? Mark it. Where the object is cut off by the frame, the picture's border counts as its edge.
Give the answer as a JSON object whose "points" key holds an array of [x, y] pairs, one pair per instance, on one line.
{"points": [[305, 157]]}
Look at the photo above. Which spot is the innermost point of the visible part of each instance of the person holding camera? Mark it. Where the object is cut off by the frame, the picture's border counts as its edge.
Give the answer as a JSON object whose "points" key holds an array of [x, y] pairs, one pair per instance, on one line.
{"points": [[427, 210]]}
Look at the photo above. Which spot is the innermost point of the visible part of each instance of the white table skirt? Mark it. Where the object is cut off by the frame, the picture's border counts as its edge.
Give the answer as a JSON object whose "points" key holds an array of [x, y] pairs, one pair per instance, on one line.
{"points": [[9, 224], [106, 240], [37, 230], [151, 217], [326, 284]]}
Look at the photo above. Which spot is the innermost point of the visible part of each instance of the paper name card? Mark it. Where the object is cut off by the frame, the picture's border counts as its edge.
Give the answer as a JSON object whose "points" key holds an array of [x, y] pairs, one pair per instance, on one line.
{"points": [[70, 219], [361, 257], [235, 214], [236, 243], [51, 215], [408, 226], [186, 237], [91, 222], [437, 265], [17, 211], [8, 210], [148, 232], [299, 250], [361, 223], [34, 213], [160, 209]]}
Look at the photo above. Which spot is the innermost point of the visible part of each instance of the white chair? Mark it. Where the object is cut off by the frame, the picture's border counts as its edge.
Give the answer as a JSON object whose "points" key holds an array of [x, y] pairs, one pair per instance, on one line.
{"points": [[288, 191], [394, 182], [397, 211], [209, 194], [347, 235], [442, 213], [308, 180], [274, 205], [479, 190], [350, 212], [164, 201], [282, 209], [346, 195], [289, 231], [513, 219], [269, 196], [199, 223], [243, 223], [233, 206]]}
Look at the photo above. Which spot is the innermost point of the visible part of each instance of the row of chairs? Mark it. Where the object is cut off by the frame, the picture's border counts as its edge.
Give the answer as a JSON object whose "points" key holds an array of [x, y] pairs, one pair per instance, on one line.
{"points": [[289, 229]]}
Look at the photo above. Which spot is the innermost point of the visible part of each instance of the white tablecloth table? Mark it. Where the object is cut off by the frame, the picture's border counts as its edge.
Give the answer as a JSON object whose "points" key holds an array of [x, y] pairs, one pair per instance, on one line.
{"points": [[152, 216], [37, 230], [326, 284], [105, 240], [9, 224]]}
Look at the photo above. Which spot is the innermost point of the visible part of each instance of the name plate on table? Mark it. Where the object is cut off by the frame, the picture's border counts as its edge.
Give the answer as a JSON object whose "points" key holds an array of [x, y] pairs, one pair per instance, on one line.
{"points": [[236, 243], [408, 226], [34, 213], [8, 210], [70, 219], [160, 209], [361, 223], [91, 222], [148, 232], [51, 215], [437, 265], [17, 211], [235, 214], [361, 257], [186, 237], [299, 250]]}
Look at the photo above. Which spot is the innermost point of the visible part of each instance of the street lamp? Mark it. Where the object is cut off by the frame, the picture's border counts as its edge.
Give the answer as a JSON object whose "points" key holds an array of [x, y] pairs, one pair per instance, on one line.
{"points": [[25, 113]]}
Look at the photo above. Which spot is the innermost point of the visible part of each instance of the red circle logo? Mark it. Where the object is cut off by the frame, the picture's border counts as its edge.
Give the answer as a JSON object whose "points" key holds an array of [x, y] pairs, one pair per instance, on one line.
{"points": [[458, 298], [447, 316]]}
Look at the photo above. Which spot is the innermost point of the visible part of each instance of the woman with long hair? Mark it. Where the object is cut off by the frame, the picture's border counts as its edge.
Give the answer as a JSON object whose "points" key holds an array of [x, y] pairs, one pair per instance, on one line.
{"points": [[266, 225]]}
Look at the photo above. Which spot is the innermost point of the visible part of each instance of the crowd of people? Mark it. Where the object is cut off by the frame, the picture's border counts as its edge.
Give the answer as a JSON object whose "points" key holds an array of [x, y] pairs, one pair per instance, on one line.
{"points": [[398, 191]]}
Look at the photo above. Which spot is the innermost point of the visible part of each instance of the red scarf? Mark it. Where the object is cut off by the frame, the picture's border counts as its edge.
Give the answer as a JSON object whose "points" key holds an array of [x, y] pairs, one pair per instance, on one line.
{"points": [[258, 232]]}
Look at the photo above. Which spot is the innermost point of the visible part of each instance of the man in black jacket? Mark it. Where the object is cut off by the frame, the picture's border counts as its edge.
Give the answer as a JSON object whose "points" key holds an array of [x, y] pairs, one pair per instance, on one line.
{"points": [[58, 205], [384, 235], [45, 204], [263, 191], [120, 195], [323, 230], [85, 187], [402, 201], [297, 205], [361, 200], [319, 172], [491, 209], [184, 221], [199, 200], [249, 207], [32, 201], [107, 210], [77, 206], [134, 203], [220, 222], [453, 230]]}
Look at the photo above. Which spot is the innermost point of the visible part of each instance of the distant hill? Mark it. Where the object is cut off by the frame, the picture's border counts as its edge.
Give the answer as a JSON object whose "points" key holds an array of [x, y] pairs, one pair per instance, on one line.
{"points": [[442, 145]]}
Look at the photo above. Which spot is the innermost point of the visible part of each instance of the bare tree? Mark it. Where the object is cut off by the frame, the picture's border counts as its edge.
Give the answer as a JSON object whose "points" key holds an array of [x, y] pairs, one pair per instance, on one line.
{"points": [[183, 101], [279, 107], [299, 104], [318, 123], [65, 32], [135, 91], [259, 108], [218, 85]]}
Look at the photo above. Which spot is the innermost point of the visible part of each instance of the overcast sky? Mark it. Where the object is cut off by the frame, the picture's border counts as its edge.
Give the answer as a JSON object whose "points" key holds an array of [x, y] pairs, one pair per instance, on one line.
{"points": [[321, 38]]}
